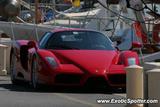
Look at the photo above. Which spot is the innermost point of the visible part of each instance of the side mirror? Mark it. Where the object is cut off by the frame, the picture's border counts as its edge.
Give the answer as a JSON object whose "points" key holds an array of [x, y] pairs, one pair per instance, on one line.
{"points": [[32, 44], [136, 44]]}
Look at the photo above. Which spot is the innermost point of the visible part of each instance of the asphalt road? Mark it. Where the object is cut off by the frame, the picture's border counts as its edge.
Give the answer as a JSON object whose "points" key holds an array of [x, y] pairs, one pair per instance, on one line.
{"points": [[25, 96]]}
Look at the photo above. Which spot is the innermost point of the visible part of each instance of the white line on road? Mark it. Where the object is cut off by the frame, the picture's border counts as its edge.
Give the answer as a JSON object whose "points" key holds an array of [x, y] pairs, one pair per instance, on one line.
{"points": [[77, 100]]}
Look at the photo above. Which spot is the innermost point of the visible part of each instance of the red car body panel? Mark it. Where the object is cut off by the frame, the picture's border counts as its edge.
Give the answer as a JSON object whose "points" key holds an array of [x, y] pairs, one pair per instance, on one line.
{"points": [[89, 60], [76, 67]]}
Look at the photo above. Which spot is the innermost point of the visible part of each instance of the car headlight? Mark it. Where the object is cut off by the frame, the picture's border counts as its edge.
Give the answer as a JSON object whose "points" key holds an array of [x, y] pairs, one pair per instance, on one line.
{"points": [[51, 61], [131, 61]]}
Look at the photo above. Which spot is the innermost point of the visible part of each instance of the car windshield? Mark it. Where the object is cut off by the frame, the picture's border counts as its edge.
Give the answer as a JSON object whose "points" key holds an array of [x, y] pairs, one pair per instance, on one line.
{"points": [[80, 40]]}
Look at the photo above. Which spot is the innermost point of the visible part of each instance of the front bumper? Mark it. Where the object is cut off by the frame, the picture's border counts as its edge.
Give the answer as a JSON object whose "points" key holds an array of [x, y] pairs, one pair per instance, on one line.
{"points": [[70, 75]]}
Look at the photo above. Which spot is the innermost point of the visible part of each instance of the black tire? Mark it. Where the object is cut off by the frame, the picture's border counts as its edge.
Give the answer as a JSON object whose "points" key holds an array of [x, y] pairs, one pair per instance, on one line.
{"points": [[124, 90], [34, 77], [13, 71]]}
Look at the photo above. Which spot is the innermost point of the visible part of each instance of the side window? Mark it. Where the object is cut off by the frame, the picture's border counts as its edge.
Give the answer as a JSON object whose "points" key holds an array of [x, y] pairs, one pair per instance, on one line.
{"points": [[54, 41], [44, 39]]}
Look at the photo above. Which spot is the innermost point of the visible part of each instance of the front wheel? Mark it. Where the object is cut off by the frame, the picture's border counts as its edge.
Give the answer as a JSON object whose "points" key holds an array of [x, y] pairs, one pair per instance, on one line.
{"points": [[34, 76]]}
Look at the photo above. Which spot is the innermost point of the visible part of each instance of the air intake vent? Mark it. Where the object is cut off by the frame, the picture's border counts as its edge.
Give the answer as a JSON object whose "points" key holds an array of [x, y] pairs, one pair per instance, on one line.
{"points": [[68, 79], [117, 79]]}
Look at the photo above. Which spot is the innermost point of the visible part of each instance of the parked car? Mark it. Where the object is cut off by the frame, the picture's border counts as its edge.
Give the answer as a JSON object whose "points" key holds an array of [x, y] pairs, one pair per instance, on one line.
{"points": [[70, 57]]}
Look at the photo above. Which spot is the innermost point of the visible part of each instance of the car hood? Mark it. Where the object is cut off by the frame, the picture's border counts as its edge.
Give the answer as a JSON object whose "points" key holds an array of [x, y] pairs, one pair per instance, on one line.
{"points": [[88, 60]]}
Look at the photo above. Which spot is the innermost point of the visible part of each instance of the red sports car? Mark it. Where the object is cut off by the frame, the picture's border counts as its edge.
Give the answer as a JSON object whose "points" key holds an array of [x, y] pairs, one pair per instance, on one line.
{"points": [[69, 57]]}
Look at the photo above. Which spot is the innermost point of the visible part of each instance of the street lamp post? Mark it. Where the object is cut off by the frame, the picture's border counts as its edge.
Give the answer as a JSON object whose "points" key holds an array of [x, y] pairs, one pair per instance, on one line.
{"points": [[36, 11]]}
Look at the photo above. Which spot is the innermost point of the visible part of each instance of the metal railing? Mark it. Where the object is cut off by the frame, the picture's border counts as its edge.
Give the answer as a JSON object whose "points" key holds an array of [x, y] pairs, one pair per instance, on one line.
{"points": [[83, 22]]}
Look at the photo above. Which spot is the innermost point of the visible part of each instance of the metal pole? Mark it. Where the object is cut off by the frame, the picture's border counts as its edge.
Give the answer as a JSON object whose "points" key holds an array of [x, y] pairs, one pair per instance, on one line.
{"points": [[36, 17], [54, 4], [12, 30], [36, 31], [36, 11]]}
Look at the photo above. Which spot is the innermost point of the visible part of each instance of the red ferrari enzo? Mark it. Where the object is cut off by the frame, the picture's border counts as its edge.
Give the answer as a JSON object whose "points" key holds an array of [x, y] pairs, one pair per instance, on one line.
{"points": [[70, 57]]}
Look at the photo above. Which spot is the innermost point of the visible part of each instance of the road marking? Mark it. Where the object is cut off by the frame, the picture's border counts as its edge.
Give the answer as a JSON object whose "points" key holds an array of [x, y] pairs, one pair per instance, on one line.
{"points": [[77, 100]]}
